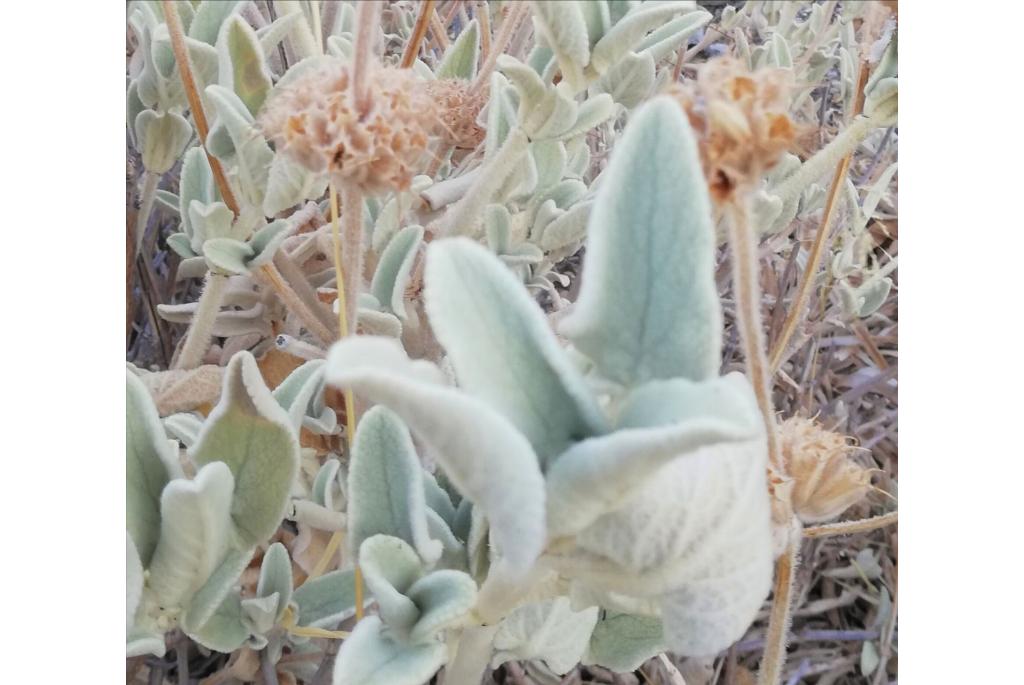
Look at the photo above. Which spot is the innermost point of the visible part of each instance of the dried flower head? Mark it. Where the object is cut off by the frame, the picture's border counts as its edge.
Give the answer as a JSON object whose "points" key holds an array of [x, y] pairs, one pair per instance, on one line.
{"points": [[742, 122], [314, 120], [458, 109], [825, 481]]}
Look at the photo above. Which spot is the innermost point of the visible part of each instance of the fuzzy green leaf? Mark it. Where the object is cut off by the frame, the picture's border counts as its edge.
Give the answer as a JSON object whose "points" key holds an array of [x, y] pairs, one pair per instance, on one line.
{"points": [[195, 529], [208, 19], [227, 256], [225, 631], [669, 37], [648, 307], [503, 350], [385, 485], [242, 64], [394, 268], [326, 600], [629, 31], [152, 462], [162, 138], [289, 183], [660, 422], [251, 155], [564, 30], [390, 567], [622, 642], [367, 657], [460, 59], [630, 80], [208, 600], [548, 630], [276, 576], [481, 453], [250, 432]]}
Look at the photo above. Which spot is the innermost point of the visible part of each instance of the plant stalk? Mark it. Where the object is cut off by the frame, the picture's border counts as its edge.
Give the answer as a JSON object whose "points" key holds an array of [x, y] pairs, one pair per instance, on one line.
{"points": [[418, 31], [774, 658], [197, 339], [501, 42], [851, 527], [466, 215], [367, 21], [195, 104], [150, 181], [747, 289], [304, 290], [803, 292], [269, 274]]}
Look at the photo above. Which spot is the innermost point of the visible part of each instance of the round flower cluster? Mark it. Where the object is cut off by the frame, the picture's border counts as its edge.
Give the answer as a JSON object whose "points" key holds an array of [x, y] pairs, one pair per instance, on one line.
{"points": [[741, 120], [459, 110], [825, 481], [379, 148]]}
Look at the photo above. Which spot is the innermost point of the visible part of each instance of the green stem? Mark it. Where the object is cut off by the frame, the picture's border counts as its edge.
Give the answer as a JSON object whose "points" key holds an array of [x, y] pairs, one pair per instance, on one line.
{"points": [[197, 340], [352, 251], [466, 215]]}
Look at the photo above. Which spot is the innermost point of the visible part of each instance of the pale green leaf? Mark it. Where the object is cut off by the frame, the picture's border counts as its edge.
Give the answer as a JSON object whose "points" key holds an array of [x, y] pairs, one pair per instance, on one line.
{"points": [[195, 529], [626, 33], [390, 566], [252, 434], [481, 453], [564, 29], [324, 601], [222, 582], [162, 138], [243, 67], [549, 630], [385, 485], [669, 37], [276, 576], [622, 642], [227, 256], [208, 19], [460, 59], [503, 350], [649, 307], [289, 183], [196, 185], [394, 268], [367, 657], [660, 422], [152, 462], [225, 631], [252, 156], [444, 598], [630, 81]]}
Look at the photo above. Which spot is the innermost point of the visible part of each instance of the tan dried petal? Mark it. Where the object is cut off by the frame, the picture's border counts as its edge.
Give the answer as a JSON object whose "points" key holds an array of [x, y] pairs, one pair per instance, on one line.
{"points": [[741, 120], [825, 480], [315, 122], [458, 110]]}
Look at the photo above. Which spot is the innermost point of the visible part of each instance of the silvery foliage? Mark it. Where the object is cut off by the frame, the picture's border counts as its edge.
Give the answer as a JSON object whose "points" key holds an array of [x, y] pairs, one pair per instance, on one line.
{"points": [[599, 503], [811, 47], [613, 489], [190, 538]]}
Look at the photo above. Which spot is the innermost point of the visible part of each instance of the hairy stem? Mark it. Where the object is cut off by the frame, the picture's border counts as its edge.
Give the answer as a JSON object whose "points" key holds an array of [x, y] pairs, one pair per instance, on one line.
{"points": [[418, 31], [501, 41], [367, 21], [851, 527], [197, 340], [774, 658], [269, 274], [796, 309], [803, 293], [304, 290], [466, 215], [471, 656], [747, 290], [150, 181], [195, 104], [438, 30], [344, 295], [483, 15]]}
